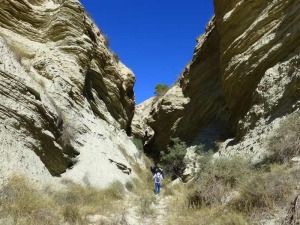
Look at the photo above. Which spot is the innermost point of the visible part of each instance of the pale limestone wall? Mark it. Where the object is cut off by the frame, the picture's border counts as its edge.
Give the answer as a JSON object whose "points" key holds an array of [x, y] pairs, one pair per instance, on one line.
{"points": [[66, 102], [243, 79]]}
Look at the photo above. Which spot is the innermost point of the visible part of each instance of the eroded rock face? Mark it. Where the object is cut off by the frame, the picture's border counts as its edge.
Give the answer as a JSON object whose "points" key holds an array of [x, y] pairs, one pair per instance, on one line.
{"points": [[139, 126], [65, 99], [243, 78]]}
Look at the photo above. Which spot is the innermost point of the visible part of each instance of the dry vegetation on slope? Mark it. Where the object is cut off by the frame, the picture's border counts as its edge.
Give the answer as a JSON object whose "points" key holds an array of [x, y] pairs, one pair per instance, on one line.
{"points": [[233, 191], [224, 191], [23, 203]]}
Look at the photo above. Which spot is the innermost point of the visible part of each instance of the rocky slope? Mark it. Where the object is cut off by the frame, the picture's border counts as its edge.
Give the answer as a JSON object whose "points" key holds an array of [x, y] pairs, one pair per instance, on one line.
{"points": [[243, 78], [66, 101]]}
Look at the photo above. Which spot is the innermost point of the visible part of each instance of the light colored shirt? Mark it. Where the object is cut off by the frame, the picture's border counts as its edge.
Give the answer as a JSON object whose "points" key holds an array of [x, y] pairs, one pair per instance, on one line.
{"points": [[157, 177]]}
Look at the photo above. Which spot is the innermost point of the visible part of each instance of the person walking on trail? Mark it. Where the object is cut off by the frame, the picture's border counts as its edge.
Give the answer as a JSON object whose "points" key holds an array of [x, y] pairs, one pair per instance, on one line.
{"points": [[157, 179]]}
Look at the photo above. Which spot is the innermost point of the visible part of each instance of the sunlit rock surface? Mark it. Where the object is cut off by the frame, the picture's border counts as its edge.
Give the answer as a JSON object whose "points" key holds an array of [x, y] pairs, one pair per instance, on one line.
{"points": [[66, 101], [243, 79]]}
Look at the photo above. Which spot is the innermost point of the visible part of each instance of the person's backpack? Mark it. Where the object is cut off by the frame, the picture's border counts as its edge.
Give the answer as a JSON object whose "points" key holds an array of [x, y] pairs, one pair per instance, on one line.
{"points": [[157, 178]]}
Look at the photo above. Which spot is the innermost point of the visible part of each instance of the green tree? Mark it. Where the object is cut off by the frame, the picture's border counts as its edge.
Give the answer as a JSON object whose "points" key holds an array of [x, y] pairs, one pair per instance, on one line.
{"points": [[161, 89], [172, 160]]}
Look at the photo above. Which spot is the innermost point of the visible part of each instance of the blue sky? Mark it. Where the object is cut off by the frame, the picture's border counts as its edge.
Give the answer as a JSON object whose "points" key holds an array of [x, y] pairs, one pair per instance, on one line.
{"points": [[155, 38]]}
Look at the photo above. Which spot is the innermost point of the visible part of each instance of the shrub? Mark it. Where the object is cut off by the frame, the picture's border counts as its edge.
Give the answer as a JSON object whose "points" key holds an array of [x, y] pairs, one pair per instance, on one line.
{"points": [[285, 144], [161, 89], [215, 178], [138, 144], [129, 185], [172, 160], [264, 191]]}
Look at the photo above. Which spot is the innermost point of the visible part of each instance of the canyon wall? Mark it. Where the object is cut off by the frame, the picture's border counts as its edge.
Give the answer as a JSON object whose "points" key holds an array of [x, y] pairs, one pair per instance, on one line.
{"points": [[243, 79], [66, 101]]}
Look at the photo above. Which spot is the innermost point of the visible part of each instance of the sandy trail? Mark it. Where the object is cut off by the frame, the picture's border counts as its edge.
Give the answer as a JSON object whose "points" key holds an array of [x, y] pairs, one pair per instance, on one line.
{"points": [[132, 215], [158, 218]]}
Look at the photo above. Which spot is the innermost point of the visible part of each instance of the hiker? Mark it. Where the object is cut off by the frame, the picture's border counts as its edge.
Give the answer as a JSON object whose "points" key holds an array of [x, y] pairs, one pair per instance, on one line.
{"points": [[153, 170], [157, 179]]}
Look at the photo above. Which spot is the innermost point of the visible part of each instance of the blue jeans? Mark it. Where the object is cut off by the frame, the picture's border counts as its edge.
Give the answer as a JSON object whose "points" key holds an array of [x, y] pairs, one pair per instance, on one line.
{"points": [[157, 188]]}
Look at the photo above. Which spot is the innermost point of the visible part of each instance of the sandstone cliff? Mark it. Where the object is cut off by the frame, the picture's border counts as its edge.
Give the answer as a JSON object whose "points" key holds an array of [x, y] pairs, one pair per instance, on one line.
{"points": [[65, 99], [243, 78]]}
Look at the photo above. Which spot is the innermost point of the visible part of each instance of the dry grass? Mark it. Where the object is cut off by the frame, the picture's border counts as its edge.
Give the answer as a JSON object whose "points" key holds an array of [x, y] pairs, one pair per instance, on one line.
{"points": [[169, 188], [144, 184], [143, 190], [229, 193], [216, 179], [23, 203], [206, 216], [148, 162], [92, 200], [72, 215], [179, 212], [266, 191], [285, 144], [199, 202], [146, 205]]}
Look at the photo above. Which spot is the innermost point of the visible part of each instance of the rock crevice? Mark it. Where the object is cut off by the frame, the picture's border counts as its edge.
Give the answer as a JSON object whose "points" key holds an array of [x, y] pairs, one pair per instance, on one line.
{"points": [[242, 80]]}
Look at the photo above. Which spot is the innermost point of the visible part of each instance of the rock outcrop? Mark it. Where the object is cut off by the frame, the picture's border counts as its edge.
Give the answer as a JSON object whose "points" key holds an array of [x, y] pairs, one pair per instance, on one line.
{"points": [[243, 78], [66, 101]]}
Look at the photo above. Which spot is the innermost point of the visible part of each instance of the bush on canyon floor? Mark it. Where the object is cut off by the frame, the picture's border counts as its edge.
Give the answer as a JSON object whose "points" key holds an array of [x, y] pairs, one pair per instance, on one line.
{"points": [[267, 190], [172, 160], [215, 178], [180, 212], [230, 191], [285, 144]]}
